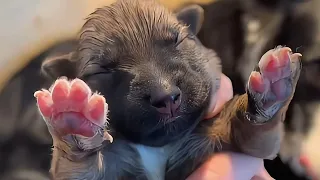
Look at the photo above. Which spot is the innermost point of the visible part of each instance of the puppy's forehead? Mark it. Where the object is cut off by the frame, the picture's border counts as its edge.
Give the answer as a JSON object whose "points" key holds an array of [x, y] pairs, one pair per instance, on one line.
{"points": [[127, 24]]}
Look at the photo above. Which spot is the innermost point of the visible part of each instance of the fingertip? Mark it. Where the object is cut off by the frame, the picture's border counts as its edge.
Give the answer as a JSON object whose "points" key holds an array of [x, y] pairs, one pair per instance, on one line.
{"points": [[228, 166], [223, 95], [217, 167]]}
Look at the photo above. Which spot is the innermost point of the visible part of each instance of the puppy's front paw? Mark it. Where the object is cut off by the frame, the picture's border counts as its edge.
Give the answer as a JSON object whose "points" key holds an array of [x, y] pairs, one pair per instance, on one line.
{"points": [[73, 113], [273, 84]]}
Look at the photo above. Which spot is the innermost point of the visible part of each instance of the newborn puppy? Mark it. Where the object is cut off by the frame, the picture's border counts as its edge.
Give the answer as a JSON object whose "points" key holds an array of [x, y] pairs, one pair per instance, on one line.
{"points": [[158, 80]]}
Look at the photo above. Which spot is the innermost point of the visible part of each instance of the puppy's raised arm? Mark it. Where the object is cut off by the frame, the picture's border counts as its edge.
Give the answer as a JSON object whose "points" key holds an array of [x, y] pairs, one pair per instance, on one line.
{"points": [[256, 126], [250, 123]]}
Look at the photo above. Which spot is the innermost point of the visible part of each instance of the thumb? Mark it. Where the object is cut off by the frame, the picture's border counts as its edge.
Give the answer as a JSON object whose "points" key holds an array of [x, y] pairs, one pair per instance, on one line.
{"points": [[224, 94], [228, 166]]}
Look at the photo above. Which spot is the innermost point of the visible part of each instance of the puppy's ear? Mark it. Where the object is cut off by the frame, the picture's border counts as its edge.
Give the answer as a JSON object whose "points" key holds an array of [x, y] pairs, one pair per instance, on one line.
{"points": [[191, 15], [57, 66]]}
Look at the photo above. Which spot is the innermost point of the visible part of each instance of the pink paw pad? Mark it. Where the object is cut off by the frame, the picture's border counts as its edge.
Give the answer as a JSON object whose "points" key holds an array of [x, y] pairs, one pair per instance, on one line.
{"points": [[71, 108], [275, 73]]}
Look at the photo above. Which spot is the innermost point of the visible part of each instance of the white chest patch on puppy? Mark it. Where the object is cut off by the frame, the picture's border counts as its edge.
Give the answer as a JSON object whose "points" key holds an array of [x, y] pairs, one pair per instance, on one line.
{"points": [[154, 160]]}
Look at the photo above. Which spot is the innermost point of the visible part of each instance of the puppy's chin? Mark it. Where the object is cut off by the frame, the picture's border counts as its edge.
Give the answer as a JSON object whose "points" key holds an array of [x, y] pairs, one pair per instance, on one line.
{"points": [[168, 132]]}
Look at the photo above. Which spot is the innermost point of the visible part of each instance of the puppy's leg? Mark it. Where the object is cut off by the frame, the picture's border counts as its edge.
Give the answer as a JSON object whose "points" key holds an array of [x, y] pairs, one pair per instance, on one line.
{"points": [[259, 130], [255, 123], [76, 119], [250, 123]]}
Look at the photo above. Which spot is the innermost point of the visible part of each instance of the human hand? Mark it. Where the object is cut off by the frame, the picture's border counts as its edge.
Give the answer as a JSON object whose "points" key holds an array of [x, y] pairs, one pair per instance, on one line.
{"points": [[231, 166]]}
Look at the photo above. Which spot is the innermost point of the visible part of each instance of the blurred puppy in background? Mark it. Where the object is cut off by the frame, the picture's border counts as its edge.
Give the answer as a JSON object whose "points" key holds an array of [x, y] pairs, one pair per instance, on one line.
{"points": [[25, 143]]}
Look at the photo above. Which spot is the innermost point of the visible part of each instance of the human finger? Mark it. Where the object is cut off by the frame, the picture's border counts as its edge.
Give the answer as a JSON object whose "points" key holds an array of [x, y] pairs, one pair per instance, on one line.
{"points": [[228, 166], [223, 95]]}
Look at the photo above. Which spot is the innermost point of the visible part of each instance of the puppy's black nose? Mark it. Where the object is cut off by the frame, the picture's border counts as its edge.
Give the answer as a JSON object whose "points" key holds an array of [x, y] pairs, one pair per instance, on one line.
{"points": [[166, 101]]}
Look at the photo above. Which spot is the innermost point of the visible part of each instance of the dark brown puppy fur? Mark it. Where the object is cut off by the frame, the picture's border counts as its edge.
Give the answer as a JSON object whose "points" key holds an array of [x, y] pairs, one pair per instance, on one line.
{"points": [[129, 50]]}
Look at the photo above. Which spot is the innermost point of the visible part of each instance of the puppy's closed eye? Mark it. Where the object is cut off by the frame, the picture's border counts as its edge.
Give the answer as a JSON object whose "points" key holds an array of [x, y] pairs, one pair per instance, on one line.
{"points": [[181, 37], [96, 69]]}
